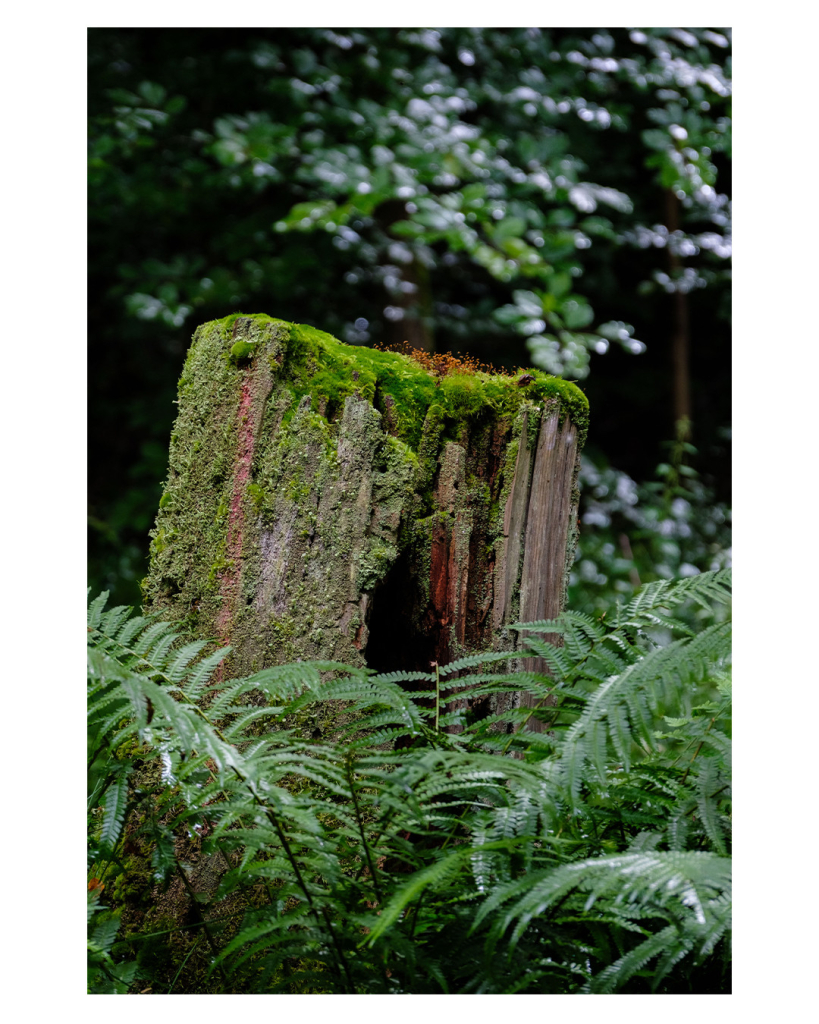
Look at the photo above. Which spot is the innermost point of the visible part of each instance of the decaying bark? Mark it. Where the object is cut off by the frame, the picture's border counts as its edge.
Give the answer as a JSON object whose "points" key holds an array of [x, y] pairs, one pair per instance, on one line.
{"points": [[325, 501]]}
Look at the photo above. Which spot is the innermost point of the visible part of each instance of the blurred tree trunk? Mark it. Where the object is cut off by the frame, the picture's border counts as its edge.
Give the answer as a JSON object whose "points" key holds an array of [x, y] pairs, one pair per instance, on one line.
{"points": [[413, 294], [681, 376]]}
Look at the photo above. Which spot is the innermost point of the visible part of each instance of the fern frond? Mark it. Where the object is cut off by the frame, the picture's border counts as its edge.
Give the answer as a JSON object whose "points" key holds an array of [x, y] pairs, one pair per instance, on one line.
{"points": [[112, 619], [477, 833], [436, 873], [403, 677], [708, 783], [95, 609], [452, 718], [635, 699], [667, 940], [132, 627], [377, 737], [234, 732], [156, 656], [559, 662], [557, 625], [182, 658], [656, 618], [473, 661], [365, 692], [155, 632], [375, 722], [280, 680], [645, 882], [706, 589], [104, 933], [114, 805]]}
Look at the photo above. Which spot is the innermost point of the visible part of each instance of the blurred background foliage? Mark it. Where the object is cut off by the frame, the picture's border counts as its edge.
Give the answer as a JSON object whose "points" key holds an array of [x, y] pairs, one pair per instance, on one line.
{"points": [[558, 197]]}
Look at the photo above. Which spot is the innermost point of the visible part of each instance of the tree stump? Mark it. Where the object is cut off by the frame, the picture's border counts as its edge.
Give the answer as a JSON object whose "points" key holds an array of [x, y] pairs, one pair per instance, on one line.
{"points": [[340, 503]]}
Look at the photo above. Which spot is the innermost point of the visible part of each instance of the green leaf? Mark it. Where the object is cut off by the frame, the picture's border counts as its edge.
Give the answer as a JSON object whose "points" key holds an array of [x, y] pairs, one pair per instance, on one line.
{"points": [[560, 284], [152, 93], [114, 805]]}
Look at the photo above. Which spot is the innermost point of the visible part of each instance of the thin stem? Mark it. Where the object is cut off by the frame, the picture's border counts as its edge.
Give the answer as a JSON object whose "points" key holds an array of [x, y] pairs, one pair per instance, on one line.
{"points": [[191, 951], [443, 846], [225, 858], [538, 707], [437, 693], [359, 822], [205, 928], [415, 915], [569, 681], [274, 821], [348, 770], [384, 826], [711, 797], [699, 748], [680, 332]]}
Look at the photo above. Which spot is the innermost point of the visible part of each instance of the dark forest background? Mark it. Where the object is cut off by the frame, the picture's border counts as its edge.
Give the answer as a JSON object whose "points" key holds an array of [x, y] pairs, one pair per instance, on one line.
{"points": [[557, 197]]}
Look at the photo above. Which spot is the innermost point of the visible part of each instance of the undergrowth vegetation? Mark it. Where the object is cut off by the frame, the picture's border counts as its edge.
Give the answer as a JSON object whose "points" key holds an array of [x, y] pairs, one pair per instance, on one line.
{"points": [[418, 850]]}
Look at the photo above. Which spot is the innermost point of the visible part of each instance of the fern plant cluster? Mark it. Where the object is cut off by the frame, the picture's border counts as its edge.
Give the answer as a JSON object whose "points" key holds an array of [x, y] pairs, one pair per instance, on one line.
{"points": [[417, 850]]}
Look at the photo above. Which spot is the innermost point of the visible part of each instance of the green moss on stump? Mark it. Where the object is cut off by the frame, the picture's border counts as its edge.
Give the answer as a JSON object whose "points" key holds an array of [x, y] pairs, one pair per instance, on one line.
{"points": [[319, 365]]}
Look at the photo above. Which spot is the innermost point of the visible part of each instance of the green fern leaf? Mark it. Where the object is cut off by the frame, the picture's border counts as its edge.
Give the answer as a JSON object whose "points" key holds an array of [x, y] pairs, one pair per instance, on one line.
{"points": [[557, 625], [617, 974], [411, 890], [403, 677], [202, 672], [114, 805], [150, 636], [130, 629], [95, 610], [182, 658], [473, 661], [111, 620], [104, 933]]}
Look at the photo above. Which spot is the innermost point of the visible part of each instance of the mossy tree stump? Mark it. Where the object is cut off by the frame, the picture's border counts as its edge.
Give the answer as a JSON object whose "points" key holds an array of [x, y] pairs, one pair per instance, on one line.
{"points": [[335, 502]]}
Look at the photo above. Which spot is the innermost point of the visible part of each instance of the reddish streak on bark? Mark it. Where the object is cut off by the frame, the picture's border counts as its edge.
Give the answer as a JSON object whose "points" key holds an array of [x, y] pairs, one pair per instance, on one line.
{"points": [[236, 518], [461, 582], [440, 592]]}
